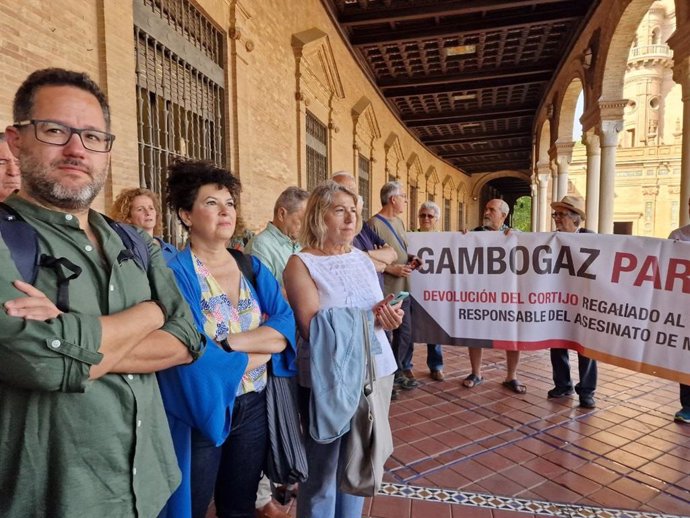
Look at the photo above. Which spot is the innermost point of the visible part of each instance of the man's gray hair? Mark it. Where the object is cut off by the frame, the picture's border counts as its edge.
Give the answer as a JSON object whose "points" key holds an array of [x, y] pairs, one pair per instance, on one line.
{"points": [[577, 219], [505, 209], [430, 205], [390, 189], [291, 199]]}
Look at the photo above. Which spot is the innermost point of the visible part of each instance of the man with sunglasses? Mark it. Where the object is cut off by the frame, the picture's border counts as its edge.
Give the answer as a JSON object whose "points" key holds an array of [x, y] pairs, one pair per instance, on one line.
{"points": [[81, 418], [428, 216], [9, 170], [568, 215]]}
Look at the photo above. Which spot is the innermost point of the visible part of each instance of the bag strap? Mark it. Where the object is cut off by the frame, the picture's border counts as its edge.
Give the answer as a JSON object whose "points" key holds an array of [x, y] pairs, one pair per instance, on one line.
{"points": [[390, 227], [369, 382], [245, 264], [132, 241]]}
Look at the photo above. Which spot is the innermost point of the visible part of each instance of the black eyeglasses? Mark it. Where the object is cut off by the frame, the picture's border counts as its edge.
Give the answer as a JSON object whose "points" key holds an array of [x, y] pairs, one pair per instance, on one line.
{"points": [[427, 216], [561, 215], [56, 134]]}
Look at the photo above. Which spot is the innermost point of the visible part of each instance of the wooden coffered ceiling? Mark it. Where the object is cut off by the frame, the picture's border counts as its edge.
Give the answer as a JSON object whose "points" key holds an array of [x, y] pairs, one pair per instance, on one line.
{"points": [[465, 76]]}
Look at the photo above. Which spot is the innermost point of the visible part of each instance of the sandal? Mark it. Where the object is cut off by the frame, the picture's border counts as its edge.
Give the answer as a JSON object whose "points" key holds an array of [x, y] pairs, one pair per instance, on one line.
{"points": [[472, 381], [515, 386]]}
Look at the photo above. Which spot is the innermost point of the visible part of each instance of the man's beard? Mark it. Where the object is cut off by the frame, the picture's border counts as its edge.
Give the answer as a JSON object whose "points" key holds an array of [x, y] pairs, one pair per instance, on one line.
{"points": [[38, 184]]}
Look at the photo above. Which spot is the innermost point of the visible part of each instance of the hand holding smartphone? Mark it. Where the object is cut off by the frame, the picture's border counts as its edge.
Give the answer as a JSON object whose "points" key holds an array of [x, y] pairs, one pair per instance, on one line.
{"points": [[402, 295]]}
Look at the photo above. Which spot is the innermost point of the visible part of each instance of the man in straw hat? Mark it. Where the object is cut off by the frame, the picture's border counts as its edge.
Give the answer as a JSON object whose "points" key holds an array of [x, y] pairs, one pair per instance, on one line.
{"points": [[568, 214]]}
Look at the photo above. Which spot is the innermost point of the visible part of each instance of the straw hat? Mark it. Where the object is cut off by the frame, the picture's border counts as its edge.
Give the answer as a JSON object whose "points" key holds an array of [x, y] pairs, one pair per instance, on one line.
{"points": [[574, 204]]}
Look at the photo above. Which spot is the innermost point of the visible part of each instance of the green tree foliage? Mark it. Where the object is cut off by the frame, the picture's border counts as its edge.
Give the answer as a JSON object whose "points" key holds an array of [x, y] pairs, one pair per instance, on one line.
{"points": [[522, 214]]}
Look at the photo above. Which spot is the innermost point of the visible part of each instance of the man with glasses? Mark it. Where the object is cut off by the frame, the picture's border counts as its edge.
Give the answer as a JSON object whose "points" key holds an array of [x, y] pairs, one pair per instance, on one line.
{"points": [[683, 415], [428, 216], [10, 179], [81, 419], [495, 214], [568, 215], [389, 227]]}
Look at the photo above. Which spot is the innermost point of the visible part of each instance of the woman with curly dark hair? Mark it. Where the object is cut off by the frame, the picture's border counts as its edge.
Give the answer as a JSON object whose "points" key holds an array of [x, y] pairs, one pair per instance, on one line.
{"points": [[217, 409], [141, 207]]}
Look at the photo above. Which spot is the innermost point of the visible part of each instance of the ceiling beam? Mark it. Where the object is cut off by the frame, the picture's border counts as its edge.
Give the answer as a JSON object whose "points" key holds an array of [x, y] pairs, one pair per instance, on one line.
{"points": [[485, 167], [459, 117], [457, 8], [445, 140], [454, 28], [473, 82], [486, 152], [516, 72]]}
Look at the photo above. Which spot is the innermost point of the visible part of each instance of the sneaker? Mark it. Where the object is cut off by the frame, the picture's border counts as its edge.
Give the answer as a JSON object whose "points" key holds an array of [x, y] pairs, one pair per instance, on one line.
{"points": [[682, 416], [587, 402], [437, 375], [404, 383], [394, 394], [555, 393], [409, 374]]}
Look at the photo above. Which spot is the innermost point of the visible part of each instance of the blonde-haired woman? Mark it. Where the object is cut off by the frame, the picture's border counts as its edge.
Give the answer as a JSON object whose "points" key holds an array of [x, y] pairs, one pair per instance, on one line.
{"points": [[329, 281], [141, 207]]}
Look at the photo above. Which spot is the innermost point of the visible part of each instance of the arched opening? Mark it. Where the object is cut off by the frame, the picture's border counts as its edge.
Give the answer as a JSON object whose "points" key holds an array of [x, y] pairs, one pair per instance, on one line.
{"points": [[506, 185]]}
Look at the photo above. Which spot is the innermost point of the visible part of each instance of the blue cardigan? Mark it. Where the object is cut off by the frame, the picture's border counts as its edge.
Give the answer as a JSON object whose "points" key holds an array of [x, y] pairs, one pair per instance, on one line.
{"points": [[201, 395]]}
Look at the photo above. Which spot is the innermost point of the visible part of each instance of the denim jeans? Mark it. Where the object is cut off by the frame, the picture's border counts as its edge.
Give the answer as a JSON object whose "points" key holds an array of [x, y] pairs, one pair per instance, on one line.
{"points": [[319, 496], [232, 471], [434, 357], [402, 339]]}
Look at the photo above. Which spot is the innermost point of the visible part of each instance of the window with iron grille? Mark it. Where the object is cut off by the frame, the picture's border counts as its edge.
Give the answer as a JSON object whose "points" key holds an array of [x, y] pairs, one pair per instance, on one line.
{"points": [[461, 215], [363, 165], [317, 152], [412, 204], [180, 92], [446, 214]]}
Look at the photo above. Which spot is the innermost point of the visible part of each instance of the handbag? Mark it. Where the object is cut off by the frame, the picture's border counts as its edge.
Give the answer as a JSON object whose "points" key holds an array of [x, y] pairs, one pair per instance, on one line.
{"points": [[369, 442], [286, 461]]}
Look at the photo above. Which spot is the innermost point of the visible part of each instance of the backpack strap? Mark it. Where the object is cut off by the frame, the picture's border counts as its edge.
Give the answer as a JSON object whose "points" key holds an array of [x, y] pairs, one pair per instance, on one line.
{"points": [[245, 264], [135, 246], [21, 240]]}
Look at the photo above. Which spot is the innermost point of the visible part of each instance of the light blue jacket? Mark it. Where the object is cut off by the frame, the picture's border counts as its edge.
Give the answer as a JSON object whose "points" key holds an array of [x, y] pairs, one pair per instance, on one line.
{"points": [[336, 365]]}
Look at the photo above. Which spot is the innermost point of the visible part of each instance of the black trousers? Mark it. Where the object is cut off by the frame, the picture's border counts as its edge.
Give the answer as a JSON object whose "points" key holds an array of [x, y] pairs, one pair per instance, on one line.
{"points": [[685, 396], [561, 372]]}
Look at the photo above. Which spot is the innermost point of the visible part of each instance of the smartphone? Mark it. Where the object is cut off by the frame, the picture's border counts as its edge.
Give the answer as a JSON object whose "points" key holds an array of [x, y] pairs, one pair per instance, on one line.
{"points": [[415, 263], [402, 295]]}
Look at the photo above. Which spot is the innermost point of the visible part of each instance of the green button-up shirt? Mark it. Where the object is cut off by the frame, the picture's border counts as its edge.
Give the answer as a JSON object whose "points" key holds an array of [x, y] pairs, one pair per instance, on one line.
{"points": [[273, 248], [70, 447]]}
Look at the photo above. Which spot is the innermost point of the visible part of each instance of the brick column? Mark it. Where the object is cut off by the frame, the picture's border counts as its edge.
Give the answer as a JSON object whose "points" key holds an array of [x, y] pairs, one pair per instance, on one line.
{"points": [[591, 141], [680, 43], [681, 74]]}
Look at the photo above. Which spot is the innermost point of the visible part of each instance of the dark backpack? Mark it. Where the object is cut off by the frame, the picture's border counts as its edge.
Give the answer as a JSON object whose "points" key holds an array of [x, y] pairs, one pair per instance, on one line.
{"points": [[22, 241]]}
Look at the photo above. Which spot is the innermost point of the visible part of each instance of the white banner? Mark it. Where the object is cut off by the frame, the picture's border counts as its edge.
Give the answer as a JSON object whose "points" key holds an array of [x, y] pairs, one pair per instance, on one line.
{"points": [[620, 299]]}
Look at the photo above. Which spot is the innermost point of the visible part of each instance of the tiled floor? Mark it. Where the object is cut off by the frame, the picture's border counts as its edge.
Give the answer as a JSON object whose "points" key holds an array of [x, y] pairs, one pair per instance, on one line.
{"points": [[501, 455]]}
